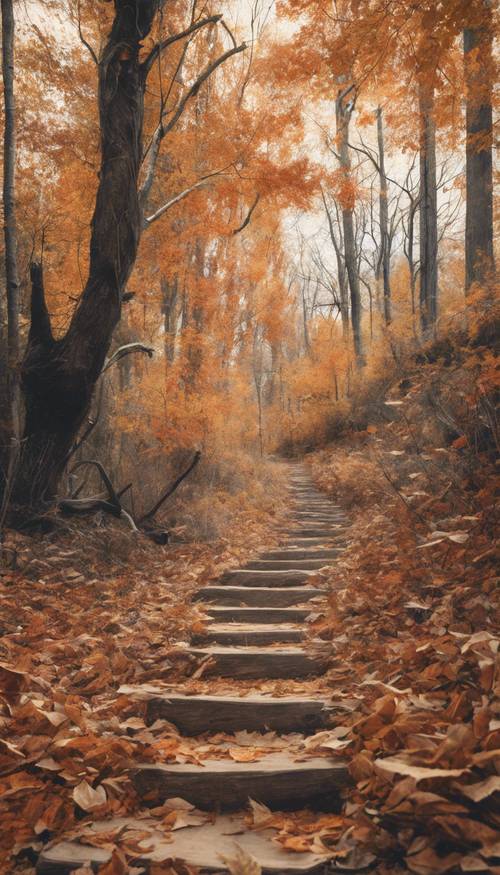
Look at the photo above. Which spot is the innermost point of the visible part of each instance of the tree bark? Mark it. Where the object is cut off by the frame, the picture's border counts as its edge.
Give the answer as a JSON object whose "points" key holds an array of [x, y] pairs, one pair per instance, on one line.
{"points": [[343, 106], [385, 249], [58, 376], [171, 307], [9, 315], [479, 160], [428, 211]]}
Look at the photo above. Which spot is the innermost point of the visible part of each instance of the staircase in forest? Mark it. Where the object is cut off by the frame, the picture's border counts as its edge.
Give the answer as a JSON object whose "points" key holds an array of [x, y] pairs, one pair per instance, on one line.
{"points": [[257, 630]]}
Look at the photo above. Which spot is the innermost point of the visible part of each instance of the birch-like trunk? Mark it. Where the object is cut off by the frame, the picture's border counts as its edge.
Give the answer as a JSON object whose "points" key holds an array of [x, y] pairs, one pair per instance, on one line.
{"points": [[9, 305], [428, 212], [343, 117], [385, 250]]}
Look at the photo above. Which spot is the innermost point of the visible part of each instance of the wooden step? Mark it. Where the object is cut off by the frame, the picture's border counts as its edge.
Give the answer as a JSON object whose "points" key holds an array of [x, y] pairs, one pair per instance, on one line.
{"points": [[247, 634], [277, 780], [312, 531], [259, 596], [199, 847], [258, 615], [324, 516], [265, 577], [311, 543], [195, 715], [292, 564], [300, 554], [259, 662]]}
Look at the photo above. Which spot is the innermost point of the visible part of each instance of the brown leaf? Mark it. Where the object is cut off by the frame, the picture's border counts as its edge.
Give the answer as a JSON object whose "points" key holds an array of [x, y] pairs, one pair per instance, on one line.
{"points": [[483, 789], [87, 798]]}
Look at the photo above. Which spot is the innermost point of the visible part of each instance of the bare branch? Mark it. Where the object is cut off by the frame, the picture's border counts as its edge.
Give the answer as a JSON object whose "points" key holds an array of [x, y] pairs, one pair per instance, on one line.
{"points": [[148, 220], [160, 47], [248, 217], [195, 87], [83, 40], [127, 349], [179, 197]]}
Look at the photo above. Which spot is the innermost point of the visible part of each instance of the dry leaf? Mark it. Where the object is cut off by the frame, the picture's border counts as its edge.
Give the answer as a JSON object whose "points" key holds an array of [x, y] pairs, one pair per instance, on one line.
{"points": [[242, 864], [87, 798]]}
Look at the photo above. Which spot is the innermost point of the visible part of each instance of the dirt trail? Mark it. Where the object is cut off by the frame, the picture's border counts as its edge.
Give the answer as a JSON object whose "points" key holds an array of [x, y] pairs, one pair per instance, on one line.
{"points": [[257, 630]]}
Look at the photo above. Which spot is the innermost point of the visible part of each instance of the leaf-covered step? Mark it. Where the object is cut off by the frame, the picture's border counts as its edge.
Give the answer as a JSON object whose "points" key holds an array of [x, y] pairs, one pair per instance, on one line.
{"points": [[265, 577], [292, 554], [195, 715], [311, 531], [260, 596], [200, 847], [259, 662], [277, 780], [238, 614], [248, 634], [292, 563]]}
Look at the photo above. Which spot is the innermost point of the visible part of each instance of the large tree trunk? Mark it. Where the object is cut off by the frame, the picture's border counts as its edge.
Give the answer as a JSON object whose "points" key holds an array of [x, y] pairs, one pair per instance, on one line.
{"points": [[479, 163], [9, 309], [428, 211], [343, 108], [385, 247], [58, 376]]}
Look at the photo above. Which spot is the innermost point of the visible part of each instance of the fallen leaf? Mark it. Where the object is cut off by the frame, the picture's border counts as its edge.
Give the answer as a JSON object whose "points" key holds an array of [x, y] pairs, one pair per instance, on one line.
{"points": [[87, 798]]}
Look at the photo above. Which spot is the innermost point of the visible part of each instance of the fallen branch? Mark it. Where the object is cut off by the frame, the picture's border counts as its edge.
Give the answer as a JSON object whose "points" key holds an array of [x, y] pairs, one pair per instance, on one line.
{"points": [[171, 489], [110, 505]]}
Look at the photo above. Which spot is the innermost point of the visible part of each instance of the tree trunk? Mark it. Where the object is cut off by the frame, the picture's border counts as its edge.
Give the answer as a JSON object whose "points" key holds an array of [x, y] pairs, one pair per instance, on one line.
{"points": [[428, 211], [170, 306], [9, 315], [58, 376], [343, 116], [479, 162], [338, 245], [385, 250]]}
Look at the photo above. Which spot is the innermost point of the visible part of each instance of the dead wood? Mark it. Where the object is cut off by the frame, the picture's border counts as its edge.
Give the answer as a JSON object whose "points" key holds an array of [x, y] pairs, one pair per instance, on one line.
{"points": [[171, 489]]}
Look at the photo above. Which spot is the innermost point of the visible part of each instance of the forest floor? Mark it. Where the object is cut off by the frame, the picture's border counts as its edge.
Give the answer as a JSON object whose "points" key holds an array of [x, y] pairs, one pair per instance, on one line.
{"points": [[409, 631]]}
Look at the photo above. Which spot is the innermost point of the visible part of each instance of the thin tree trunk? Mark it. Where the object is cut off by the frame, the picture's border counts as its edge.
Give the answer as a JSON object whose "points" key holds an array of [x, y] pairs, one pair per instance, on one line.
{"points": [[9, 356], [341, 270], [170, 305], [58, 376], [479, 161], [385, 253], [428, 211], [343, 116]]}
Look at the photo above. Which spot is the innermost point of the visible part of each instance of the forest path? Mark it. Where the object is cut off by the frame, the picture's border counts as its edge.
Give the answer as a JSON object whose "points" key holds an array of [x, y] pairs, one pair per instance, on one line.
{"points": [[256, 630]]}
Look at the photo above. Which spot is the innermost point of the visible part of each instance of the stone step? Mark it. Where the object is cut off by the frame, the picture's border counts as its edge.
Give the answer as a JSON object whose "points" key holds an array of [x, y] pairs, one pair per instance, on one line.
{"points": [[259, 662], [195, 715], [299, 554], [287, 564], [277, 780], [247, 634], [265, 577], [199, 847], [260, 596], [258, 615]]}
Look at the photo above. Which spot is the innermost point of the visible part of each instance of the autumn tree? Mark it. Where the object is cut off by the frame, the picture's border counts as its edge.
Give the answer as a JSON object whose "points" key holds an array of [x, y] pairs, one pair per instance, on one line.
{"points": [[58, 374]]}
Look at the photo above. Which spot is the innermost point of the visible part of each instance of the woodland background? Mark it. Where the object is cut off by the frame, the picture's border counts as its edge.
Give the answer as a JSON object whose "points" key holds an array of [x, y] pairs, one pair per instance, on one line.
{"points": [[313, 195]]}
